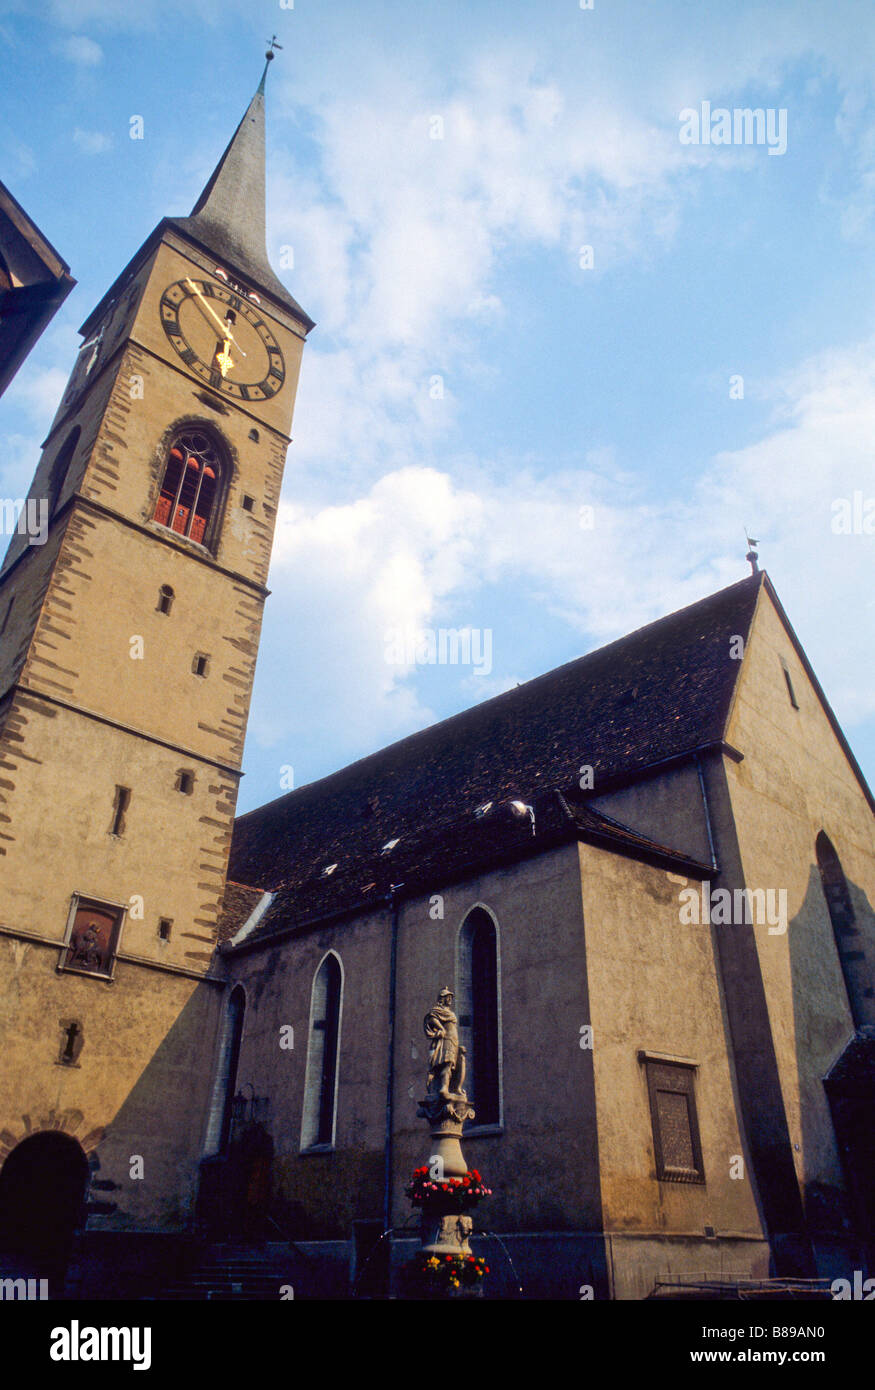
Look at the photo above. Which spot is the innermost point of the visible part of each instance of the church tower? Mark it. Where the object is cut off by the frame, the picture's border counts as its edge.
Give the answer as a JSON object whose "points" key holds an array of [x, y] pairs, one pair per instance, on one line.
{"points": [[131, 601]]}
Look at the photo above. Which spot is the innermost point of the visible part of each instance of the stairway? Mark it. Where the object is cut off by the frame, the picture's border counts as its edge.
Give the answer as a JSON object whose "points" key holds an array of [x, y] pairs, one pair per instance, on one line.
{"points": [[253, 1273]]}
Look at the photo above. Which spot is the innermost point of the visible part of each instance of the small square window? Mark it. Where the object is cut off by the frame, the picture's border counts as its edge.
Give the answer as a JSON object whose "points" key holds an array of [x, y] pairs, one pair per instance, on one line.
{"points": [[676, 1142], [165, 925], [200, 665], [185, 781], [247, 502]]}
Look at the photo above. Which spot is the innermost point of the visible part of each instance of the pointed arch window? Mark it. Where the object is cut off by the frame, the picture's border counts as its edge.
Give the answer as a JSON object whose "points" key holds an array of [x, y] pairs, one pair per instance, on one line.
{"points": [[479, 1012], [320, 1088], [849, 943], [222, 1108], [191, 488]]}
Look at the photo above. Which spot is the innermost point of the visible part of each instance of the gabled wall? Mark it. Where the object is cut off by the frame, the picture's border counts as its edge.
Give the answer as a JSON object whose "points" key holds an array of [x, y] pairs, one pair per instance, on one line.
{"points": [[654, 987], [794, 781]]}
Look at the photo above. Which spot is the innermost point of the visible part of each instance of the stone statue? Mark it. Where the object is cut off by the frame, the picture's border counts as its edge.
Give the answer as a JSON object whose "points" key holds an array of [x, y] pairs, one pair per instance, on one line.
{"points": [[446, 1061], [445, 1225], [446, 1099]]}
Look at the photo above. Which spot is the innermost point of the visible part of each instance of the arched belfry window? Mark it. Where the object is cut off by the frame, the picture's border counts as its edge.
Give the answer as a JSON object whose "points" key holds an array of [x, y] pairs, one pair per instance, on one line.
{"points": [[478, 1007], [188, 502], [320, 1087], [221, 1110], [60, 468], [849, 943]]}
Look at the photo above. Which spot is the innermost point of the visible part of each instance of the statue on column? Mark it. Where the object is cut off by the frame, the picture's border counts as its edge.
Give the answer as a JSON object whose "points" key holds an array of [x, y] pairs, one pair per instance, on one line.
{"points": [[446, 1098], [443, 1187], [446, 1059]]}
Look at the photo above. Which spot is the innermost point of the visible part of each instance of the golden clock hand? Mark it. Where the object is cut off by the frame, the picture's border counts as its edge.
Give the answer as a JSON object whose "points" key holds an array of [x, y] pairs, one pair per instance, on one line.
{"points": [[224, 360], [225, 330]]}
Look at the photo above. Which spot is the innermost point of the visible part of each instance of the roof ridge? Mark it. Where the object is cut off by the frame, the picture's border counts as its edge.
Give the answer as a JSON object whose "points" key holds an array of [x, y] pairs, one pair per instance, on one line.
{"points": [[505, 697]]}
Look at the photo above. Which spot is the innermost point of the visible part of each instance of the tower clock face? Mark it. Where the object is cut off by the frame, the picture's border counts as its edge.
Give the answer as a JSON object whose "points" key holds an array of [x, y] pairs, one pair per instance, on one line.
{"points": [[222, 338]]}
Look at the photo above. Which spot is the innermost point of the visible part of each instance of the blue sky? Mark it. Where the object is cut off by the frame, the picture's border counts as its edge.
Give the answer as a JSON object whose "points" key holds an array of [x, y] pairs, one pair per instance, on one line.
{"points": [[410, 504]]}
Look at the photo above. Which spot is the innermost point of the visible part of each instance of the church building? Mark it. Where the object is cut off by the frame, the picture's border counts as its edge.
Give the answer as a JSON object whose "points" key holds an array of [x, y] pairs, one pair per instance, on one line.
{"points": [[647, 878]]}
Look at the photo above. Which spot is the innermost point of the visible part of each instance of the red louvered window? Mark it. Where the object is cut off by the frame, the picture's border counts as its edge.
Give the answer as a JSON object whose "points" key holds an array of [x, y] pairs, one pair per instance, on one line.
{"points": [[190, 490]]}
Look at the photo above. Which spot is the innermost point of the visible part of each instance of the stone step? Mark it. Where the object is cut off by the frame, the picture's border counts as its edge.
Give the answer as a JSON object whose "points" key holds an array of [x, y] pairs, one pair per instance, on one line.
{"points": [[236, 1272]]}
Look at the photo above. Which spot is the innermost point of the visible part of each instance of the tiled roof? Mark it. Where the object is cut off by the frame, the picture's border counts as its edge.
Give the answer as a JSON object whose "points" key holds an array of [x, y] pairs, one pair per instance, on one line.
{"points": [[238, 905], [658, 693]]}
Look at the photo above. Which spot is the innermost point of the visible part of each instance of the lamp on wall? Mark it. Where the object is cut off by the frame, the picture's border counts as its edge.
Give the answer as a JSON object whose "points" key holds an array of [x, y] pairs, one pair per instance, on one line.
{"points": [[247, 1111]]}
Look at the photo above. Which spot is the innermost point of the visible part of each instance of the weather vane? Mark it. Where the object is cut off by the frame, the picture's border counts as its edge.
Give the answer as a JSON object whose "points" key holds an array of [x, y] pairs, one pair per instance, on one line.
{"points": [[271, 45], [751, 555]]}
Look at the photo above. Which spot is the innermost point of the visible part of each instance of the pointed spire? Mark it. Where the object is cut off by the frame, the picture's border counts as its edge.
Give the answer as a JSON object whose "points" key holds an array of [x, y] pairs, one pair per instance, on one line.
{"points": [[232, 205], [229, 216]]}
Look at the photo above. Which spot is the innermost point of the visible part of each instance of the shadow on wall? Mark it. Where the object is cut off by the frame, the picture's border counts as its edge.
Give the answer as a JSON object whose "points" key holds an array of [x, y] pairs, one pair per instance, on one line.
{"points": [[137, 1174], [832, 958]]}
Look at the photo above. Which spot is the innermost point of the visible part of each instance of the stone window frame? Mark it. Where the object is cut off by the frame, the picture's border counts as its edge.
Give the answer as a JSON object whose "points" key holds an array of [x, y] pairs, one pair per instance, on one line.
{"points": [[224, 470], [226, 1072], [316, 1073], [84, 900], [464, 1006], [686, 1070]]}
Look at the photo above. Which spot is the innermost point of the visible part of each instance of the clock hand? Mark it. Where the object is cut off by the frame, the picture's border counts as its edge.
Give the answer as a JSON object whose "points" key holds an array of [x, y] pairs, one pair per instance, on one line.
{"points": [[225, 330], [224, 359]]}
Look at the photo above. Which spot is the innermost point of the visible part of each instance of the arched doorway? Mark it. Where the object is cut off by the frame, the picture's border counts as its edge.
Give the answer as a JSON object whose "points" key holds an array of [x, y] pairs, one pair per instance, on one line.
{"points": [[42, 1194]]}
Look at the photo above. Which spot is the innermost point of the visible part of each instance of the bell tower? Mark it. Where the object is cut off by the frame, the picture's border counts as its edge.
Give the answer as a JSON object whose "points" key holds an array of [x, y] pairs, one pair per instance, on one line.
{"points": [[131, 601]]}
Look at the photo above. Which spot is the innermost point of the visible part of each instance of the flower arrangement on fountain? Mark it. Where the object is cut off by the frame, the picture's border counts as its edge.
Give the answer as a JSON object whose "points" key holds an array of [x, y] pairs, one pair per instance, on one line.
{"points": [[423, 1190], [445, 1272]]}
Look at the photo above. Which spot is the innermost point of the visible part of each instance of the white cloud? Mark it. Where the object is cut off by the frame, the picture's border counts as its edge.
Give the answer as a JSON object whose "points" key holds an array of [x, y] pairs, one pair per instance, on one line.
{"points": [[82, 51], [419, 550], [92, 141], [429, 220], [38, 390], [400, 246]]}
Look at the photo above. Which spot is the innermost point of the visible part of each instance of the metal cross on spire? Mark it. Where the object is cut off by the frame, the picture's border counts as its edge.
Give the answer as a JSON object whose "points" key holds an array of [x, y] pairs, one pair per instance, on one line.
{"points": [[269, 55]]}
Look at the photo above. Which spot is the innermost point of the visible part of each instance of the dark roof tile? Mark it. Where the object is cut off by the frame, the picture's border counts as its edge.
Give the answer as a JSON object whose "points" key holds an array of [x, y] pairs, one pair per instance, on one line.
{"points": [[658, 693]]}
